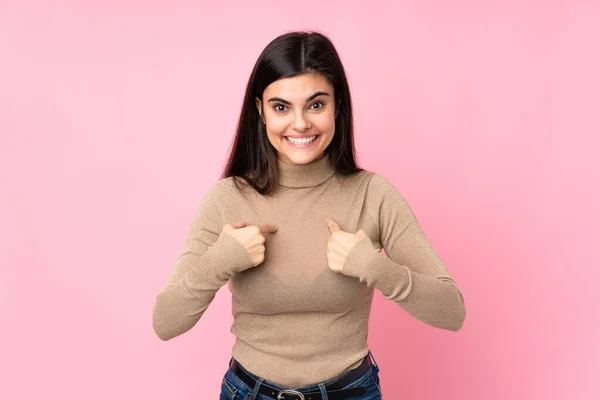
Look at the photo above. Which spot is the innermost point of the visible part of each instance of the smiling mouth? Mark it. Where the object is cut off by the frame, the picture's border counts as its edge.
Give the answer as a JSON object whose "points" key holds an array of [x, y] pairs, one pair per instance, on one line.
{"points": [[302, 141]]}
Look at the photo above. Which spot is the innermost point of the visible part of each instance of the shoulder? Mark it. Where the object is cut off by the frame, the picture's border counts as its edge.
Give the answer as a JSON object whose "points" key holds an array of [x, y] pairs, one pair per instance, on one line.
{"points": [[381, 190], [356, 179], [219, 188], [227, 191], [380, 183], [227, 186], [376, 185], [218, 193], [375, 182]]}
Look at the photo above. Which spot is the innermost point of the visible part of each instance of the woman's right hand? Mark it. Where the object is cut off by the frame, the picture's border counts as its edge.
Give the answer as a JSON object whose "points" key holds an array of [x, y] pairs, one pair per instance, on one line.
{"points": [[251, 237]]}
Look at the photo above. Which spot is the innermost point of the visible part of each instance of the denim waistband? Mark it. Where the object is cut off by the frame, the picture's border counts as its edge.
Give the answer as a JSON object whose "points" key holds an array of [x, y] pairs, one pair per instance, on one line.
{"points": [[310, 387]]}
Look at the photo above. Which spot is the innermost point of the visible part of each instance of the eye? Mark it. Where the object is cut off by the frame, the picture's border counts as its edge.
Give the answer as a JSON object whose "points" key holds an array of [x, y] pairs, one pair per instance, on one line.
{"points": [[318, 104], [279, 107]]}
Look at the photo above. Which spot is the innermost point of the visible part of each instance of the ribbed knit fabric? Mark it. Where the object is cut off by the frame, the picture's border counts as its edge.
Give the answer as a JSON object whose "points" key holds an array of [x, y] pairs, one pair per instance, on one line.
{"points": [[297, 322]]}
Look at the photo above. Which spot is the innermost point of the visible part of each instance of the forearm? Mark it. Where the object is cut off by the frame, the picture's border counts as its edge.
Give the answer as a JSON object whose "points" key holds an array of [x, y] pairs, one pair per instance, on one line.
{"points": [[435, 300], [193, 286]]}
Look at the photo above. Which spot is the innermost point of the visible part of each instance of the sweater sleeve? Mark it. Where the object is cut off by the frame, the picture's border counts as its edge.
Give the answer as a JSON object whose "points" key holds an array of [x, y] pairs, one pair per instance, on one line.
{"points": [[412, 274], [207, 261]]}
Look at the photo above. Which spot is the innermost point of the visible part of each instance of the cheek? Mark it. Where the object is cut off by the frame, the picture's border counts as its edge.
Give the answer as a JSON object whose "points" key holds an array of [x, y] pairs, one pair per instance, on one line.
{"points": [[326, 123], [275, 125]]}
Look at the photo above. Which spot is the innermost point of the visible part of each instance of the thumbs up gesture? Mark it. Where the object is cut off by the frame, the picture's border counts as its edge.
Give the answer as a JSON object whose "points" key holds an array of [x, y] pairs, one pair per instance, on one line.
{"points": [[339, 245], [251, 237]]}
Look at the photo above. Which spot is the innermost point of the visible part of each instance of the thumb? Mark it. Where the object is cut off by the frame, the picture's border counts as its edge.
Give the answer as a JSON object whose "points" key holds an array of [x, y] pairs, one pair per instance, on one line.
{"points": [[360, 234], [233, 226], [267, 228], [333, 226]]}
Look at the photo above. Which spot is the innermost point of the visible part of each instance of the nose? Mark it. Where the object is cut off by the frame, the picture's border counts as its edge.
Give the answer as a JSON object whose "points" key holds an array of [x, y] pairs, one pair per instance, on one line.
{"points": [[300, 123]]}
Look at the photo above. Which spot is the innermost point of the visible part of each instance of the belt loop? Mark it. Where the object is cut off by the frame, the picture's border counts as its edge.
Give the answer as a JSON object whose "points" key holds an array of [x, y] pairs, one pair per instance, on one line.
{"points": [[254, 393], [323, 391], [374, 362]]}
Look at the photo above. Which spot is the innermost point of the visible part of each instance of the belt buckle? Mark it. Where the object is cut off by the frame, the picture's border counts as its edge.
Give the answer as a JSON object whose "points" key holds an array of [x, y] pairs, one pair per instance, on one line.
{"points": [[290, 391]]}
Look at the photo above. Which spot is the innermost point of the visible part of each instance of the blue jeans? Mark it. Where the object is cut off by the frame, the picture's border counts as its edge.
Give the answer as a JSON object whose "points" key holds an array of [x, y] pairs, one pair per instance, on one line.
{"points": [[232, 388]]}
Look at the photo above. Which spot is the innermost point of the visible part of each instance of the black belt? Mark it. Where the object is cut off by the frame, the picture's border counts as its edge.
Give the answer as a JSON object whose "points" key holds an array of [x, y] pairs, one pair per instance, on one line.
{"points": [[334, 389]]}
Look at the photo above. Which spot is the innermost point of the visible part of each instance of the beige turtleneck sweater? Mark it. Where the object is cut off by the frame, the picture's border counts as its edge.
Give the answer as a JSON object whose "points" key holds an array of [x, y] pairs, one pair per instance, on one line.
{"points": [[297, 322]]}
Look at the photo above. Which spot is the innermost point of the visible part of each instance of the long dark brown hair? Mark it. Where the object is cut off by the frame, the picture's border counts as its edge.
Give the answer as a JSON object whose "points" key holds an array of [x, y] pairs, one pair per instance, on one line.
{"points": [[252, 156]]}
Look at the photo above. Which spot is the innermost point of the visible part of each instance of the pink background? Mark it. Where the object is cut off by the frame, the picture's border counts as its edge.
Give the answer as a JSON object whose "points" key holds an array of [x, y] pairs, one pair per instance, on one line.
{"points": [[116, 117]]}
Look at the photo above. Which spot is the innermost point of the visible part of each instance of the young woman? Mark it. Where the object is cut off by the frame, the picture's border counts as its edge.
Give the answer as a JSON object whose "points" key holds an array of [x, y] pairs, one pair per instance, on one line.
{"points": [[295, 228]]}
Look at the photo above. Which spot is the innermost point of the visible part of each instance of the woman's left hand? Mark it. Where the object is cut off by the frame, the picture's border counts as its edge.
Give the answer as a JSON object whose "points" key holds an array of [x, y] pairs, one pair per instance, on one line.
{"points": [[339, 245]]}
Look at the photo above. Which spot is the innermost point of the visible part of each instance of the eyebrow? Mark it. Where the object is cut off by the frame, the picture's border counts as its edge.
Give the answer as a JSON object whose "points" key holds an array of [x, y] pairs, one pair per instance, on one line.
{"points": [[315, 95]]}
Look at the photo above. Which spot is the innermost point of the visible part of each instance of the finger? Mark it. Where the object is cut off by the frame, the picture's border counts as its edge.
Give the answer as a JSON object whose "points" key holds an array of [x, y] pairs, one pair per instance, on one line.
{"points": [[333, 226], [267, 228], [233, 226]]}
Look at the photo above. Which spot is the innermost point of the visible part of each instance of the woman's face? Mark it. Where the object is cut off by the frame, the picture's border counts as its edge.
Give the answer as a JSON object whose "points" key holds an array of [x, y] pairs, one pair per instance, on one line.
{"points": [[302, 108]]}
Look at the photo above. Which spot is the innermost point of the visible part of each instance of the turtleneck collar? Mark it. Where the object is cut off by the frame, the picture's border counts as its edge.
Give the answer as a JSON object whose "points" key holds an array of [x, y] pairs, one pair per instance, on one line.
{"points": [[305, 175]]}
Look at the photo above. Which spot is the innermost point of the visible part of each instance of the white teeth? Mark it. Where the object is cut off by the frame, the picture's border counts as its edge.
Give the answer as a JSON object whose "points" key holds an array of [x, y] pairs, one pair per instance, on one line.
{"points": [[301, 141]]}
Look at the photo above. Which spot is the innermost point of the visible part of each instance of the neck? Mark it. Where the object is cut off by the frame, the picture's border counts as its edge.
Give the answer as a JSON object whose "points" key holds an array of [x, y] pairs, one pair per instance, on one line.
{"points": [[305, 175]]}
